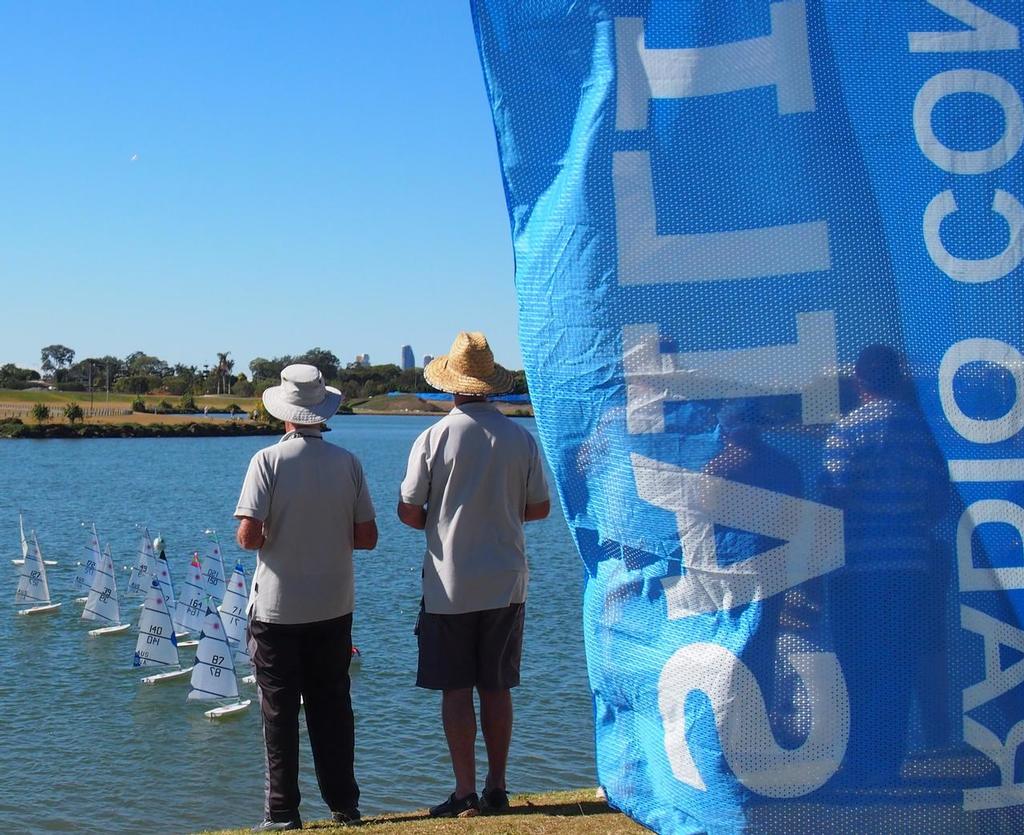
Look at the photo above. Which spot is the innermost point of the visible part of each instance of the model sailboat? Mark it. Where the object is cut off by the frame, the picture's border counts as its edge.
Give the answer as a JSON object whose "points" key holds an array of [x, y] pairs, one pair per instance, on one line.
{"points": [[32, 586], [163, 576], [213, 568], [24, 545], [145, 567], [157, 645], [87, 569], [233, 613], [102, 603], [188, 611], [213, 676]]}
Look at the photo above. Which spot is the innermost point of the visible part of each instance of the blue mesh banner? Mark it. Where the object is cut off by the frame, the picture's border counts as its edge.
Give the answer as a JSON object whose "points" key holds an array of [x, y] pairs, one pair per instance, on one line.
{"points": [[768, 264]]}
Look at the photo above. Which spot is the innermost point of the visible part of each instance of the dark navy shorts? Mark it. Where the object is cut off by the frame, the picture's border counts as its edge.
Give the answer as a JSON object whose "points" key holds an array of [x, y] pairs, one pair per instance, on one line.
{"points": [[475, 649]]}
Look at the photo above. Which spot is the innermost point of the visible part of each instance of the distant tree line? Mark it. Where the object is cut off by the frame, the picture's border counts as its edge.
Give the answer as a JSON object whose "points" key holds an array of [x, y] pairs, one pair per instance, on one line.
{"points": [[141, 373], [12, 377]]}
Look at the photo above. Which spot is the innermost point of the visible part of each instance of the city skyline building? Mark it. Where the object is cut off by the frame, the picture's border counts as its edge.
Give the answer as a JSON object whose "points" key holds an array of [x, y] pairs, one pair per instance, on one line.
{"points": [[408, 358], [427, 359]]}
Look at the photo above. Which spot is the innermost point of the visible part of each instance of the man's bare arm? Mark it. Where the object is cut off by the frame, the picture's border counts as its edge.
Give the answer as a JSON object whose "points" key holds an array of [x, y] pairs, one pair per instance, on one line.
{"points": [[537, 511], [250, 534], [413, 515], [364, 535]]}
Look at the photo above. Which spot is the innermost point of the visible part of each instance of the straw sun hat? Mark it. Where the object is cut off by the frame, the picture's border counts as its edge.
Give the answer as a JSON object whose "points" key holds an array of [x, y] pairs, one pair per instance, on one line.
{"points": [[302, 397], [469, 368]]}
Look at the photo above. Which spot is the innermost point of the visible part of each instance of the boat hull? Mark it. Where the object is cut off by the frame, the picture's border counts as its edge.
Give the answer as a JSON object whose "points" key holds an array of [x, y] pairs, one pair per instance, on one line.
{"points": [[227, 711], [47, 563], [110, 630], [159, 678], [40, 610]]}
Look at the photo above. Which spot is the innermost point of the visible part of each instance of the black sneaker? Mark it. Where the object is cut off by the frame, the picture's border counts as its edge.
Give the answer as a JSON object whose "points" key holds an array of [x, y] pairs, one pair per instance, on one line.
{"points": [[494, 801], [457, 807], [271, 825], [347, 817]]}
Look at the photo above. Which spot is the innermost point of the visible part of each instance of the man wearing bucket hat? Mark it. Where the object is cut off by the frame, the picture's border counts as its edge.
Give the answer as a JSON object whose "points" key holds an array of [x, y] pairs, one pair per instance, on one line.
{"points": [[473, 478], [304, 506]]}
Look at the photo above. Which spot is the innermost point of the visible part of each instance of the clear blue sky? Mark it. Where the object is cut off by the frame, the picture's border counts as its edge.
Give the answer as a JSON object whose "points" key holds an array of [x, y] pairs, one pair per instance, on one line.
{"points": [[308, 174]]}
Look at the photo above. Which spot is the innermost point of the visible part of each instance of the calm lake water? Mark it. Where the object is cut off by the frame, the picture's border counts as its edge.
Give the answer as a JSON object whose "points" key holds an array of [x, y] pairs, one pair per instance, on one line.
{"points": [[84, 746]]}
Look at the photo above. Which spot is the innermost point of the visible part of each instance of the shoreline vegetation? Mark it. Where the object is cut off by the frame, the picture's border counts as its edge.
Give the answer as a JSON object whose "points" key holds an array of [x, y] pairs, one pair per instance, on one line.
{"points": [[572, 812], [43, 414]]}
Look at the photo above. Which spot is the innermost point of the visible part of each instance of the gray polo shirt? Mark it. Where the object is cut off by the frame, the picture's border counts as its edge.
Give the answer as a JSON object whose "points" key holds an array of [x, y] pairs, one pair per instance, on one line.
{"points": [[475, 470], [308, 493]]}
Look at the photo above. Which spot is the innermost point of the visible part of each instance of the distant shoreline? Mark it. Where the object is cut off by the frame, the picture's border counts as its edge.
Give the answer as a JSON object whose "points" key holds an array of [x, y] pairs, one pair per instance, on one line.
{"points": [[410, 413], [13, 429], [16, 430]]}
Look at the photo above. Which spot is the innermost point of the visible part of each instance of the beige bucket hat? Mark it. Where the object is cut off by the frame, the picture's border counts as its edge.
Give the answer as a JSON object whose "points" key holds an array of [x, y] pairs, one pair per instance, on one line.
{"points": [[302, 397], [469, 368]]}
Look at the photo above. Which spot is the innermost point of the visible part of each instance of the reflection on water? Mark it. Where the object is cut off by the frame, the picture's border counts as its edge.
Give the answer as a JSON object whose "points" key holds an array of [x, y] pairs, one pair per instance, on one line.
{"points": [[87, 747]]}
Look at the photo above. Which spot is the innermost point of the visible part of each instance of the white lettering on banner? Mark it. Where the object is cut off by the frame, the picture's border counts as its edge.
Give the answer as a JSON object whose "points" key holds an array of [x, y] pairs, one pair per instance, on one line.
{"points": [[781, 60], [741, 718], [975, 270], [987, 511], [806, 367], [812, 536], [988, 469], [981, 161], [995, 633], [1007, 793], [645, 257], [982, 431], [986, 33]]}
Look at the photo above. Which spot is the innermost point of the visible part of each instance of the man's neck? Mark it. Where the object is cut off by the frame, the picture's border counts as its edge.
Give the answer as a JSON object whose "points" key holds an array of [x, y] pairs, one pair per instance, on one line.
{"points": [[296, 427], [462, 399]]}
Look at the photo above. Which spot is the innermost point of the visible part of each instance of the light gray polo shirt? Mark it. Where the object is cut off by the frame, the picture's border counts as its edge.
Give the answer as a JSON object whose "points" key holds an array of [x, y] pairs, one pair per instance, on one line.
{"points": [[475, 470], [308, 493]]}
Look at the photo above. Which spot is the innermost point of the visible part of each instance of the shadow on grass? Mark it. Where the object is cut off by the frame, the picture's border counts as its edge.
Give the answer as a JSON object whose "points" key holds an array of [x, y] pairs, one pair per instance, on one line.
{"points": [[556, 810], [562, 810]]}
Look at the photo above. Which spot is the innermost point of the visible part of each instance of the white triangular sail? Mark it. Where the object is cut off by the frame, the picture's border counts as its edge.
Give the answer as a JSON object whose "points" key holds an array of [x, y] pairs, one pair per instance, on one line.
{"points": [[213, 676], [87, 568], [32, 586], [189, 608], [157, 644], [145, 566], [102, 602], [24, 542], [213, 571], [233, 613], [163, 576]]}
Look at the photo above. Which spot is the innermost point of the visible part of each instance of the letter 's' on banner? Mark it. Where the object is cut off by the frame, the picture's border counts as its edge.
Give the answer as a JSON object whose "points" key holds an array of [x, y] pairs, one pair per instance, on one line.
{"points": [[768, 257]]}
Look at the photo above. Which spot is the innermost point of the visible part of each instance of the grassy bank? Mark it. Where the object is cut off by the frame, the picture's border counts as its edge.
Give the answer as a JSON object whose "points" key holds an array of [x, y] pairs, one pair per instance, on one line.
{"points": [[117, 409], [100, 399], [563, 813]]}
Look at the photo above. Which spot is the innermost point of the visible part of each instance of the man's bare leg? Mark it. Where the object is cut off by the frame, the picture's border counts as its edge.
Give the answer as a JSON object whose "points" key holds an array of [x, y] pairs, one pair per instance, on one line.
{"points": [[496, 722], [459, 720]]}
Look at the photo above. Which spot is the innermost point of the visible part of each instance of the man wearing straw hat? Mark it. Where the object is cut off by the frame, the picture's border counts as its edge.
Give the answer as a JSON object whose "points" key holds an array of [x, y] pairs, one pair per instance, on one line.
{"points": [[473, 478], [304, 506]]}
